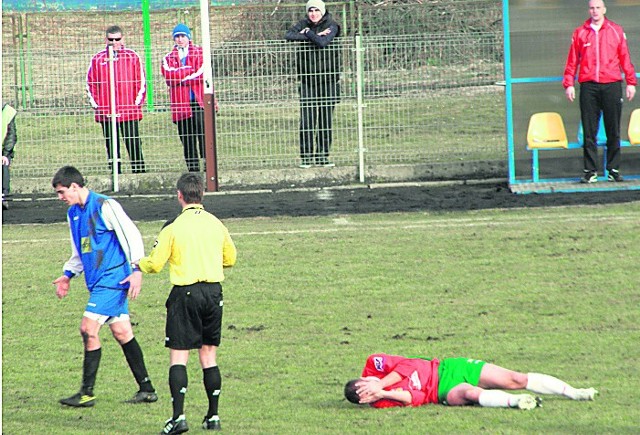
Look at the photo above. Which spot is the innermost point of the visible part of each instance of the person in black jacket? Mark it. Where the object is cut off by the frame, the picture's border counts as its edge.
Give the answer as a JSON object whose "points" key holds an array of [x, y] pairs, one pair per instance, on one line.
{"points": [[319, 73], [9, 139]]}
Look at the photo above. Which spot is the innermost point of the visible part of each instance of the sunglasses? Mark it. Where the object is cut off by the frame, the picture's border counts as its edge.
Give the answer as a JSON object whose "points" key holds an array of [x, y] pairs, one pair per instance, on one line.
{"points": [[114, 39]]}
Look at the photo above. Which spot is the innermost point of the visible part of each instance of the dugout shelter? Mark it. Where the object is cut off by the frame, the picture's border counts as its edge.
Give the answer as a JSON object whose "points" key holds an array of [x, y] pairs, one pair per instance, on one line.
{"points": [[537, 35]]}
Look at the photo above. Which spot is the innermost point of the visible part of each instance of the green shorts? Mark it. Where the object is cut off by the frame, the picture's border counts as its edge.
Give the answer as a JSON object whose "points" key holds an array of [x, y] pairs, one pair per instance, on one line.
{"points": [[456, 371]]}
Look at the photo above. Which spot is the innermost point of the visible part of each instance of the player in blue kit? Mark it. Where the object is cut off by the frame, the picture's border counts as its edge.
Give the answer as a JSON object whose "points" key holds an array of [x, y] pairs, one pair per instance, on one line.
{"points": [[104, 244]]}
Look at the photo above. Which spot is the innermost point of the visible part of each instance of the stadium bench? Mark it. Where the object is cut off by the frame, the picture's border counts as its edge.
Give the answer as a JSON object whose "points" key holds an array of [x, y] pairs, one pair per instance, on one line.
{"points": [[546, 132]]}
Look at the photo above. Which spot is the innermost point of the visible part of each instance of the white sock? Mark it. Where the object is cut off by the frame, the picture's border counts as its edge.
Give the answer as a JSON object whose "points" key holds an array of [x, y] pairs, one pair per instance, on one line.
{"points": [[545, 384], [498, 399]]}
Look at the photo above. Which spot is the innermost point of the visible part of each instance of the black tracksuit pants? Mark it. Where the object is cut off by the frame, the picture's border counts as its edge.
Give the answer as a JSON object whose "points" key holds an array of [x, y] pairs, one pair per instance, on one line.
{"points": [[191, 132], [605, 98], [129, 131]]}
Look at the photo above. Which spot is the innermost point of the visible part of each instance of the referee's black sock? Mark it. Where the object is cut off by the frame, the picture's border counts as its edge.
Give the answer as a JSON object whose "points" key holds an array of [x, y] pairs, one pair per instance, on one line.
{"points": [[178, 382], [212, 385], [133, 354], [90, 370]]}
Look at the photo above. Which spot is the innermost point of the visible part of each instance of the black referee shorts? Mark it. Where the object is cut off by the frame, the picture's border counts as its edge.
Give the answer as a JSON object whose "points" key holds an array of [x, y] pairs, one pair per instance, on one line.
{"points": [[194, 316]]}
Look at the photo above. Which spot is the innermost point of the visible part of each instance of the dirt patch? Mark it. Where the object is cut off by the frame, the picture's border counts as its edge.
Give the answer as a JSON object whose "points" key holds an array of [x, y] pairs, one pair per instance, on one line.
{"points": [[432, 197]]}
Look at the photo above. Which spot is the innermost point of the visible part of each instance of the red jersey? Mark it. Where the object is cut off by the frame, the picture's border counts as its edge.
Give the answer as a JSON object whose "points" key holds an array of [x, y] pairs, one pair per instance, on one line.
{"points": [[419, 377], [601, 55]]}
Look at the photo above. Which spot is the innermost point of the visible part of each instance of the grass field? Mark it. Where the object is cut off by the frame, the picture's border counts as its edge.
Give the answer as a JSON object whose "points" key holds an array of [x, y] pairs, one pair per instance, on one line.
{"points": [[553, 290]]}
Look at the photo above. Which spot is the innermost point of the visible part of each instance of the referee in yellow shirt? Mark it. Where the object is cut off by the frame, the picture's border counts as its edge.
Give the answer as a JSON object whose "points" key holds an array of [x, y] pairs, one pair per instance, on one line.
{"points": [[197, 246]]}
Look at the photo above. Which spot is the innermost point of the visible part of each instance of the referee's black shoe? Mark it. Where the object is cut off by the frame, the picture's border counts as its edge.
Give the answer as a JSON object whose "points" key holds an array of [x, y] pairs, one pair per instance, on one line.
{"points": [[143, 397], [211, 424], [172, 426]]}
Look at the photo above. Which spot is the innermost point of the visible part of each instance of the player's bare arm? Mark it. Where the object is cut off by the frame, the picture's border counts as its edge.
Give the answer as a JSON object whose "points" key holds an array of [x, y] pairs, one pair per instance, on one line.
{"points": [[62, 286], [135, 284], [397, 395], [371, 385]]}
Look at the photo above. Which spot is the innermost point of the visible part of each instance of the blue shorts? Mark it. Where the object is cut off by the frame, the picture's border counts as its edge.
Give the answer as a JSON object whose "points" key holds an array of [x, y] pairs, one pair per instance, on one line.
{"points": [[108, 302]]}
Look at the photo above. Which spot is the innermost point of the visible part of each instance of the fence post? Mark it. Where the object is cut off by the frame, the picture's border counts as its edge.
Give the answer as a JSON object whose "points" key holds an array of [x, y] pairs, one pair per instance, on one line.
{"points": [[146, 25], [360, 106], [211, 153], [115, 135], [16, 80], [32, 97], [21, 55]]}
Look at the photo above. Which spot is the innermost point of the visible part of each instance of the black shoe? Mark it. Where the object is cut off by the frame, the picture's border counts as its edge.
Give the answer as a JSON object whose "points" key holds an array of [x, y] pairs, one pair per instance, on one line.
{"points": [[614, 175], [79, 400], [589, 177], [143, 397], [325, 163], [209, 424], [172, 426]]}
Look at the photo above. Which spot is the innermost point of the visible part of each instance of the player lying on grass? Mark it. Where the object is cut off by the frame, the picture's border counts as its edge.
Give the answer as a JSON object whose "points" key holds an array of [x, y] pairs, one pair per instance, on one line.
{"points": [[390, 380]]}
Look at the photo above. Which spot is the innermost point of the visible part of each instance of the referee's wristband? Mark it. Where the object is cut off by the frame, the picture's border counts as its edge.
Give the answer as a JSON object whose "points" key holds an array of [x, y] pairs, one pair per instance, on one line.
{"points": [[69, 274], [135, 268]]}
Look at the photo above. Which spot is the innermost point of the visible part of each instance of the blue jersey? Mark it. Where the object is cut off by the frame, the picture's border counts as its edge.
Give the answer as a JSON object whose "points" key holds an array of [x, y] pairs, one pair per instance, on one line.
{"points": [[104, 261]]}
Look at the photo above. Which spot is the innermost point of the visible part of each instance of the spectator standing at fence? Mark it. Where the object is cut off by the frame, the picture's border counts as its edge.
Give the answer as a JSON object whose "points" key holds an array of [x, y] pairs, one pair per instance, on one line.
{"points": [[318, 65], [197, 246], [130, 90], [599, 50], [391, 380], [104, 245], [183, 71], [10, 137]]}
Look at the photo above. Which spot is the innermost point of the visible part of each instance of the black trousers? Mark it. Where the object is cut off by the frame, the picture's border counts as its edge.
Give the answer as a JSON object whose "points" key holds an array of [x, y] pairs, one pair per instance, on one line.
{"points": [[5, 179], [129, 131], [191, 132], [605, 98], [318, 100]]}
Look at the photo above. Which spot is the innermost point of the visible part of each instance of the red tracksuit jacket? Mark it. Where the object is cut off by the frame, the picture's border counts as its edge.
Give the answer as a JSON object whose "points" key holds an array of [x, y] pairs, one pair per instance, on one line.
{"points": [[600, 55], [182, 80], [130, 85]]}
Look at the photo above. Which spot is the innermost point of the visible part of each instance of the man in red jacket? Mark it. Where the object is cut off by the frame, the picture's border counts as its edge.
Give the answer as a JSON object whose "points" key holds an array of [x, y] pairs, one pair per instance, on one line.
{"points": [[182, 70], [599, 49], [129, 90], [390, 380]]}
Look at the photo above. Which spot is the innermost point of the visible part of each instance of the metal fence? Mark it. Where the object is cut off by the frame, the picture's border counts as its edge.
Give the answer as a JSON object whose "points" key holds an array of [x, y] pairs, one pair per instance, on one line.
{"points": [[427, 73]]}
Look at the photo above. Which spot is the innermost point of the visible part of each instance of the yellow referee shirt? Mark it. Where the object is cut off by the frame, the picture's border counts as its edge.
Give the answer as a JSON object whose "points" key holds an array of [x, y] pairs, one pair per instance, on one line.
{"points": [[196, 245]]}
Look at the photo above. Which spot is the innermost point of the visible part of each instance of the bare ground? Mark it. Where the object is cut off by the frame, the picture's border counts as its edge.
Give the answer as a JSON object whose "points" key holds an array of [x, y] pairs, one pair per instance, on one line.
{"points": [[428, 197]]}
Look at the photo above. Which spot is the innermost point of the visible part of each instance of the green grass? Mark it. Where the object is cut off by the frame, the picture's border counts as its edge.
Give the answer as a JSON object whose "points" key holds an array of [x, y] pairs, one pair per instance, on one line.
{"points": [[552, 290]]}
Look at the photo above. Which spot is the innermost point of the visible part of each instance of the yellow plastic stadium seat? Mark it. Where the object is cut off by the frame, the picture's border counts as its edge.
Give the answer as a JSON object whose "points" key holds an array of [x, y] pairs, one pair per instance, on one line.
{"points": [[546, 130], [634, 128]]}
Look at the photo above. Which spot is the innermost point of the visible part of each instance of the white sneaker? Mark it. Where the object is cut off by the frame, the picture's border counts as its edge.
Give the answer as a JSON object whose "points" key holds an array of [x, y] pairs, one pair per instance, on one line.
{"points": [[528, 402], [585, 394]]}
